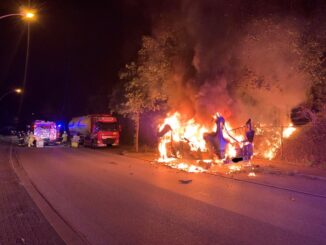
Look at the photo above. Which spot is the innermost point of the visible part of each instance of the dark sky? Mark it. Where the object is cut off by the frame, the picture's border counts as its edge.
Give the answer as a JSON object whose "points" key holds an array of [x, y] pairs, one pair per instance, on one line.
{"points": [[76, 51]]}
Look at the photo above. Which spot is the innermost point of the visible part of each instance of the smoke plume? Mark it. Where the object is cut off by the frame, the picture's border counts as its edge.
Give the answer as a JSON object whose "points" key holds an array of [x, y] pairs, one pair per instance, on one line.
{"points": [[244, 62]]}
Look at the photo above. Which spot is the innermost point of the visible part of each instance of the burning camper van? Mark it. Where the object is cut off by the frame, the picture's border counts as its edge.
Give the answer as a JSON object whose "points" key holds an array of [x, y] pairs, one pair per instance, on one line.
{"points": [[189, 140], [197, 146]]}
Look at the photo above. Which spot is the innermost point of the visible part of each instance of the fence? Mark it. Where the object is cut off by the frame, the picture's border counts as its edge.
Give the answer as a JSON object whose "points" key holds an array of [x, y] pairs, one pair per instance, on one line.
{"points": [[304, 144]]}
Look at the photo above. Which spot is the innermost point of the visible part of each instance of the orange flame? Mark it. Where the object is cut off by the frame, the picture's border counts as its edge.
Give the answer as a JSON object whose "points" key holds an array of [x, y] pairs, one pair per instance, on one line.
{"points": [[273, 143]]}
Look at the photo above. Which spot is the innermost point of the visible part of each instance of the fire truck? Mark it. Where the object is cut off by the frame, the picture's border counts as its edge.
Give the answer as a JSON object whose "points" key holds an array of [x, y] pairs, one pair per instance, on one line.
{"points": [[46, 131], [96, 130]]}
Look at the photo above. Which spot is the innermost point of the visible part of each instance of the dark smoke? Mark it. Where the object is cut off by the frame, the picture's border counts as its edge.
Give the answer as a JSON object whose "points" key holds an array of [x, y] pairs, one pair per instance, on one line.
{"points": [[247, 60]]}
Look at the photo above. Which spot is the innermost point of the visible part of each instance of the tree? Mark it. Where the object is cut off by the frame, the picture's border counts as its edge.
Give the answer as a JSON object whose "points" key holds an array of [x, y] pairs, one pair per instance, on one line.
{"points": [[145, 81], [314, 62], [136, 97]]}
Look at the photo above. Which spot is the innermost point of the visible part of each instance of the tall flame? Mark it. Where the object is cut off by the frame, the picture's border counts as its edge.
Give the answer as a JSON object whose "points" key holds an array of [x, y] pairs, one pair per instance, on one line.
{"points": [[188, 131], [192, 133]]}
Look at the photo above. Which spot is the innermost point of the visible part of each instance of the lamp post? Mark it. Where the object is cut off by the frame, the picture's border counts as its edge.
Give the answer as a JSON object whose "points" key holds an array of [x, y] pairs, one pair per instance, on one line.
{"points": [[17, 91], [26, 14]]}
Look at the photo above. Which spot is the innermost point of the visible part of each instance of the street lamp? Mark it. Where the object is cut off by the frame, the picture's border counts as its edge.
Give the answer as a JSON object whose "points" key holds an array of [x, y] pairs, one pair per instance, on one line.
{"points": [[27, 14], [16, 90]]}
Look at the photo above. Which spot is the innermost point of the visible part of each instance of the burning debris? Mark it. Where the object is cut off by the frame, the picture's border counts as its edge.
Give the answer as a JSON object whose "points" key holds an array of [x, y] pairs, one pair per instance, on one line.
{"points": [[234, 168], [252, 174], [185, 181]]}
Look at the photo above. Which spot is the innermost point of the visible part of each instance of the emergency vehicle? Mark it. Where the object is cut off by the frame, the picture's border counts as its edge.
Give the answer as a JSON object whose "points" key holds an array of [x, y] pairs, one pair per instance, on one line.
{"points": [[96, 130], [46, 131]]}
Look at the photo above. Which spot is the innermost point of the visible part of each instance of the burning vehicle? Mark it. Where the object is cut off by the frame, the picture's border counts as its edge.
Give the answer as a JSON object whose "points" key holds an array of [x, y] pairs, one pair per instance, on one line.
{"points": [[189, 141], [198, 147]]}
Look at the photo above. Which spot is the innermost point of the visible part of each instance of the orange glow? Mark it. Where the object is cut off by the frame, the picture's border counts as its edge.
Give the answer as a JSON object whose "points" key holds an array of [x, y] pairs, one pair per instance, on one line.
{"points": [[28, 14], [234, 168], [288, 131], [18, 90], [272, 143]]}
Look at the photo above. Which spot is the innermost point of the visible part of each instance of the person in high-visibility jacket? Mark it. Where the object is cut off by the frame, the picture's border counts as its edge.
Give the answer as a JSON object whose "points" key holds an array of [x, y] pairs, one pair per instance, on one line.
{"points": [[31, 139], [75, 140], [64, 138]]}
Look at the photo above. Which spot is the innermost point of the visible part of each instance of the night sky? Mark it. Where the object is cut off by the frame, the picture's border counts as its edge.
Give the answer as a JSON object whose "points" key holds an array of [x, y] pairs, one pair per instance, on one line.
{"points": [[76, 51]]}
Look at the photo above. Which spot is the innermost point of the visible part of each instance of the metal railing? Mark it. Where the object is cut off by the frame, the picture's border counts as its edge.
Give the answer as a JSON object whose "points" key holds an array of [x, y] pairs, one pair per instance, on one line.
{"points": [[304, 145]]}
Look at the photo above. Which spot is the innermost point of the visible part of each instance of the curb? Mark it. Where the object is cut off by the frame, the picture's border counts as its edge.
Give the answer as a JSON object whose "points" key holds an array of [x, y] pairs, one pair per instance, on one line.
{"points": [[298, 173], [276, 170], [309, 176]]}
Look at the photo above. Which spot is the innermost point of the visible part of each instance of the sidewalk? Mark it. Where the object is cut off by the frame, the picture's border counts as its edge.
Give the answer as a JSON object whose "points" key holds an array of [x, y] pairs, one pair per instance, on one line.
{"points": [[274, 166], [21, 222]]}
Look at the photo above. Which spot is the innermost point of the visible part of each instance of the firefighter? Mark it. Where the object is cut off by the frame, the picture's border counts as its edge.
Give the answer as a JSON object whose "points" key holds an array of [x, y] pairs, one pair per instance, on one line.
{"points": [[75, 140], [64, 138], [31, 139]]}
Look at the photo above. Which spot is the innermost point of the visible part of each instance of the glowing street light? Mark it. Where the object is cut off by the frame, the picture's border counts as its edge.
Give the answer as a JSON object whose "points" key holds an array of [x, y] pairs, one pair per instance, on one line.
{"points": [[27, 14], [16, 90]]}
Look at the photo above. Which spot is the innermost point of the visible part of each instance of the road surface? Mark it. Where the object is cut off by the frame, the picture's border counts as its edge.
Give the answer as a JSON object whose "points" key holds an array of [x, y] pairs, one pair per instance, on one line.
{"points": [[114, 199]]}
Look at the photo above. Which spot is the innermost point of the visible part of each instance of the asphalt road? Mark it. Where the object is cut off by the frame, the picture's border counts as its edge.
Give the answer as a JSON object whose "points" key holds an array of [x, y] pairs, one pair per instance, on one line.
{"points": [[113, 199]]}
